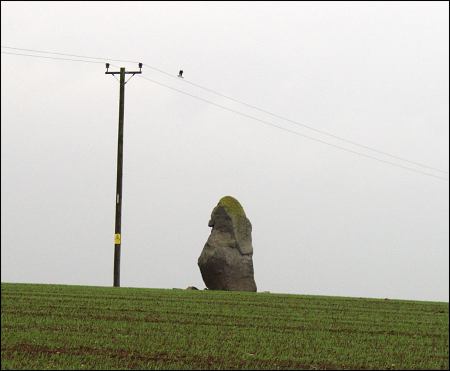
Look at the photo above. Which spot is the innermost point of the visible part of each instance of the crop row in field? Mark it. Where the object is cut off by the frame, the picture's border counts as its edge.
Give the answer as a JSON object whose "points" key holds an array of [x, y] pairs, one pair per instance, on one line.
{"points": [[76, 327]]}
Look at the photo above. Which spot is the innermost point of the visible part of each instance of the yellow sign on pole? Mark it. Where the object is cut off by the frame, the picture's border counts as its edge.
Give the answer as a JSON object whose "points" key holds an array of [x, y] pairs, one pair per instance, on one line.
{"points": [[117, 238]]}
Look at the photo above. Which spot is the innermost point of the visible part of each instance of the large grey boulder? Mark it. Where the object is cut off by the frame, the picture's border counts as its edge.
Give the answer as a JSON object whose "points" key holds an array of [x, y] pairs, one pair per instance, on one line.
{"points": [[226, 260]]}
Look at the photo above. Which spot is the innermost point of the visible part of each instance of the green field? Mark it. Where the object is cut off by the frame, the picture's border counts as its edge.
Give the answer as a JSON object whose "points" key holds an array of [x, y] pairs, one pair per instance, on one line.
{"points": [[79, 327]]}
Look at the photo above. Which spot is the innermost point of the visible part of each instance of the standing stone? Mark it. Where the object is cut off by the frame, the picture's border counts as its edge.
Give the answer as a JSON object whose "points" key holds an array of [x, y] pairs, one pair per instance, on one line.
{"points": [[226, 260]]}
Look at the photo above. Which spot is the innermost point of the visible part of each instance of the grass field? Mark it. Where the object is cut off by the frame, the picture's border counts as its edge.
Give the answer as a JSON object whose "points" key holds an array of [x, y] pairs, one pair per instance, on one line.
{"points": [[79, 327]]}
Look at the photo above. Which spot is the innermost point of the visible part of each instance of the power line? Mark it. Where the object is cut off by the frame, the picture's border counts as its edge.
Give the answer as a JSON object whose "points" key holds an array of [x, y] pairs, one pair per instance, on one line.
{"points": [[292, 131], [240, 113], [312, 128], [69, 55], [57, 58], [250, 106]]}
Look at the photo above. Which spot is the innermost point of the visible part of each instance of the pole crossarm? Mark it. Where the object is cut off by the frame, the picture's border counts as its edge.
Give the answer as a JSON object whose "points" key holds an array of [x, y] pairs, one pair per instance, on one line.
{"points": [[122, 70], [126, 72]]}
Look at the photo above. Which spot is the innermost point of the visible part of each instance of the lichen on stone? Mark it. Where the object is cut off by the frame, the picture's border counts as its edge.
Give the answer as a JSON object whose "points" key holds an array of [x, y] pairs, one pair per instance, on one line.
{"points": [[232, 206]]}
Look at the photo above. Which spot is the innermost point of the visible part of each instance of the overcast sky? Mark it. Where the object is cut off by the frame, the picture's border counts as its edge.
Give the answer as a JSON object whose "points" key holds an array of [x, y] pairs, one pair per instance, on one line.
{"points": [[325, 221]]}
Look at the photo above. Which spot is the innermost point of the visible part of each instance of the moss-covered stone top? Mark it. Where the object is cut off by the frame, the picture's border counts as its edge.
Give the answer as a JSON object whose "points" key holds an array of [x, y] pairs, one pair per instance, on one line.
{"points": [[232, 206]]}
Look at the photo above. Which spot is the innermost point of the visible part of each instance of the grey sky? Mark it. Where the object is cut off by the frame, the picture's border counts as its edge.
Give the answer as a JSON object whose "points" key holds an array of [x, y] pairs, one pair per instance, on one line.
{"points": [[325, 221]]}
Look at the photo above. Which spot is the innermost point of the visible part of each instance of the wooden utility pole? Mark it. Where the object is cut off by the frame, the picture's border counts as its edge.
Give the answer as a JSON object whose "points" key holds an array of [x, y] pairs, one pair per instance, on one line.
{"points": [[118, 227]]}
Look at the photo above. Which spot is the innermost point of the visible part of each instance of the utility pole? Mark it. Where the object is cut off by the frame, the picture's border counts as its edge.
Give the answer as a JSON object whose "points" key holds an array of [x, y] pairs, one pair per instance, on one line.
{"points": [[118, 227]]}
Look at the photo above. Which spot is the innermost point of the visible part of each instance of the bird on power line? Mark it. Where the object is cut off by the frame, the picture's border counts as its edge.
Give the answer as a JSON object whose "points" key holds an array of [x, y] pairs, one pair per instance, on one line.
{"points": [[180, 74]]}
